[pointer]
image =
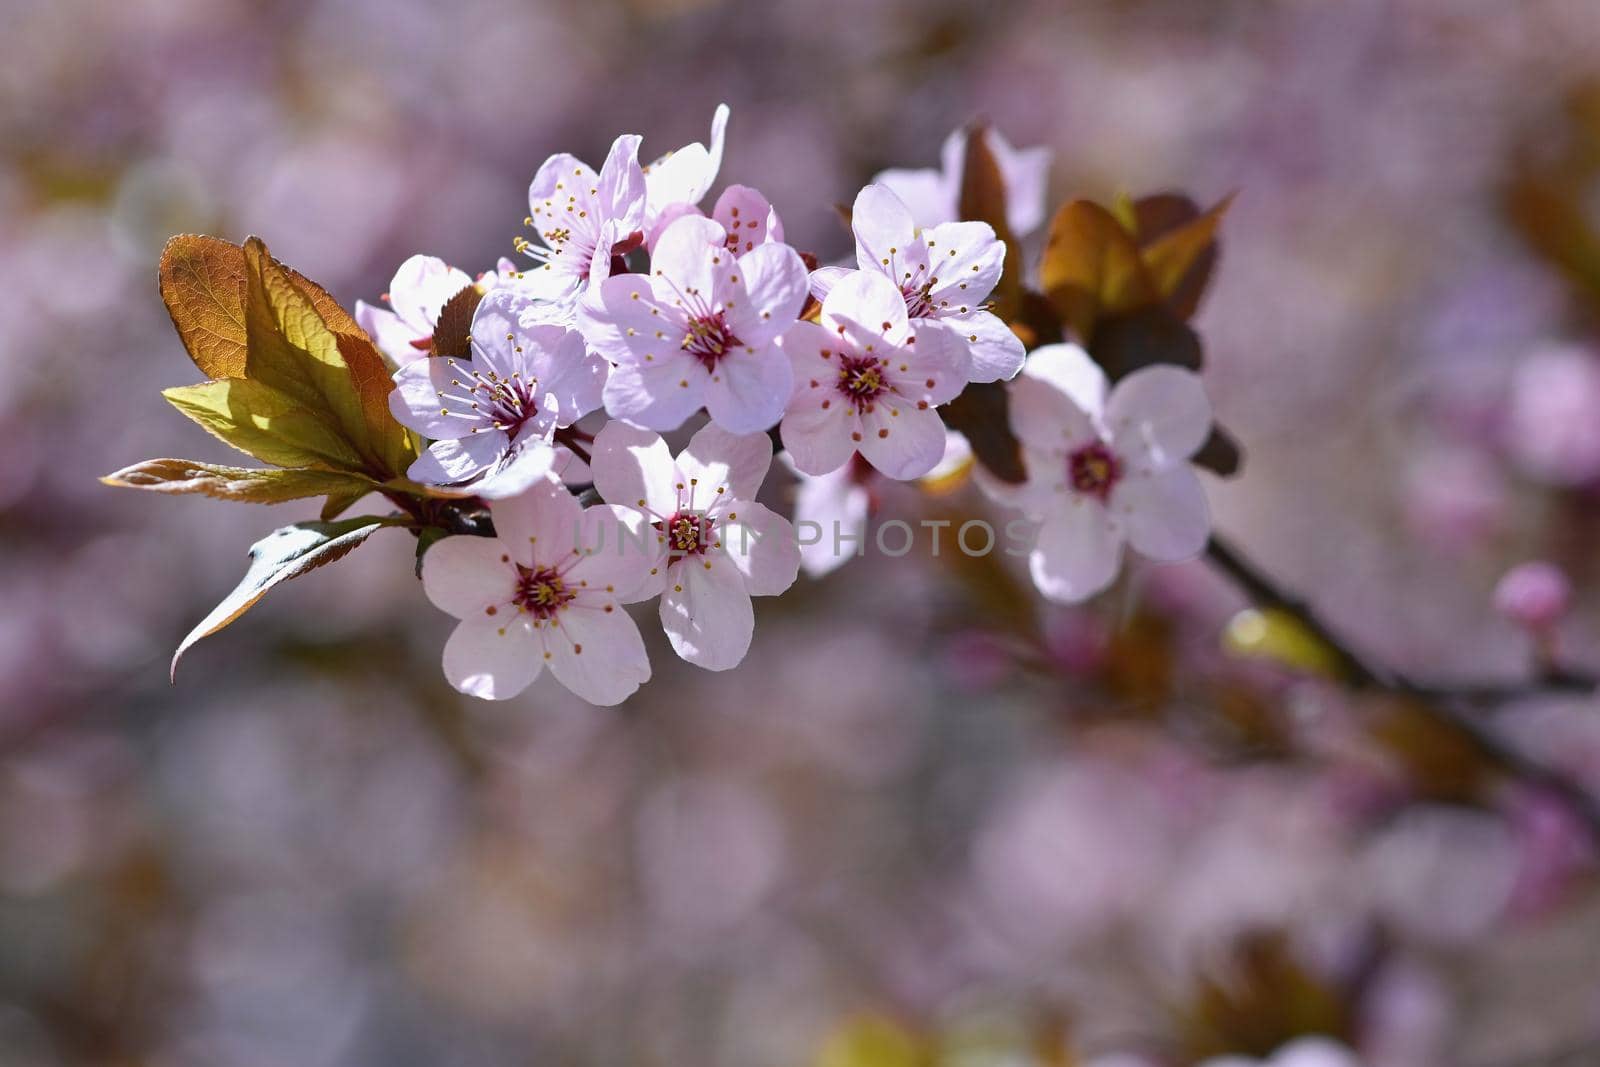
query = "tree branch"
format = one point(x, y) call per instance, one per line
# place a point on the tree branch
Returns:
point(1447, 704)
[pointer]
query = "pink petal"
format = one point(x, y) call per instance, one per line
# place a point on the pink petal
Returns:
point(771, 290)
point(901, 441)
point(492, 659)
point(883, 227)
point(634, 467)
point(658, 395)
point(1164, 513)
point(763, 546)
point(965, 262)
point(868, 306)
point(749, 389)
point(597, 654)
point(544, 517)
point(1077, 554)
point(706, 612)
point(1159, 412)
point(734, 463)
point(466, 575)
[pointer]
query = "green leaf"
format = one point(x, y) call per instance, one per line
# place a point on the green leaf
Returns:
point(283, 554)
point(262, 422)
point(251, 485)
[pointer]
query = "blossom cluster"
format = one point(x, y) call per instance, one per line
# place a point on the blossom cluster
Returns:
point(637, 303)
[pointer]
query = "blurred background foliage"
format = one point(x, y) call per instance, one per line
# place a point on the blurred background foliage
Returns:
point(929, 821)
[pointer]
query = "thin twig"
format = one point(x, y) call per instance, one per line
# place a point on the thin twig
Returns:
point(1448, 705)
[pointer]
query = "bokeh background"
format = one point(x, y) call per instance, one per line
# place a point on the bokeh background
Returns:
point(929, 821)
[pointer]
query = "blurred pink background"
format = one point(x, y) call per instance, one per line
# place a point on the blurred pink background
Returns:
point(887, 840)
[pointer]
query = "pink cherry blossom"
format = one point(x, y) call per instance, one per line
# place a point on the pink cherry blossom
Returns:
point(683, 177)
point(546, 590)
point(701, 329)
point(583, 219)
point(863, 382)
point(718, 547)
point(1104, 470)
point(934, 195)
point(419, 291)
point(944, 272)
point(748, 218)
point(492, 417)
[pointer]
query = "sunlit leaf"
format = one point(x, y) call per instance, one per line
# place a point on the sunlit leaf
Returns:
point(1091, 267)
point(251, 485)
point(203, 283)
point(339, 376)
point(260, 421)
point(284, 554)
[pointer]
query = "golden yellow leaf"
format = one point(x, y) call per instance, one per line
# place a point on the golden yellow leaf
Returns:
point(203, 284)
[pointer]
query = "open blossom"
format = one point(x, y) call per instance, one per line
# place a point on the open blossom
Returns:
point(746, 216)
point(718, 547)
point(944, 273)
point(934, 195)
point(701, 329)
point(685, 176)
point(1106, 469)
point(492, 417)
point(583, 219)
point(546, 590)
point(419, 291)
point(864, 383)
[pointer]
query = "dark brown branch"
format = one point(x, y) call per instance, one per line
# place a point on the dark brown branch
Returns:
point(1448, 705)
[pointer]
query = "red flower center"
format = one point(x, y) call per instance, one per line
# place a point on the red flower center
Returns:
point(1094, 470)
point(540, 592)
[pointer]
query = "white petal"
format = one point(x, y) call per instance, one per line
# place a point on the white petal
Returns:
point(830, 517)
point(452, 462)
point(658, 395)
point(634, 468)
point(737, 463)
point(1164, 513)
point(1070, 369)
point(996, 353)
point(597, 654)
point(392, 336)
point(421, 288)
point(467, 575)
point(749, 389)
point(528, 462)
point(492, 660)
point(771, 291)
point(929, 197)
point(901, 440)
point(965, 260)
point(1026, 173)
point(684, 257)
point(823, 279)
point(622, 555)
point(1077, 554)
point(866, 308)
point(883, 227)
point(763, 546)
point(623, 320)
point(686, 175)
point(621, 186)
point(416, 402)
point(706, 612)
point(545, 517)
point(817, 437)
point(1160, 412)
